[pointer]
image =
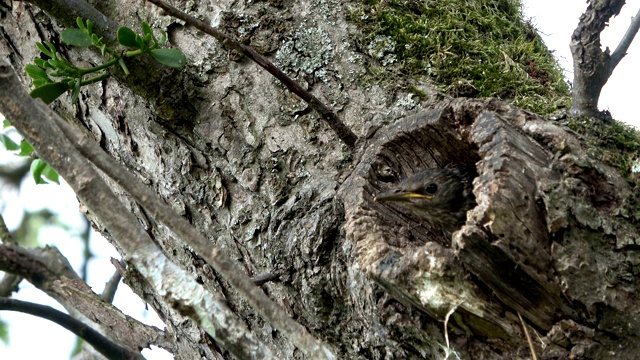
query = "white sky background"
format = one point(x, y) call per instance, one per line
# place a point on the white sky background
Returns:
point(556, 20)
point(33, 338)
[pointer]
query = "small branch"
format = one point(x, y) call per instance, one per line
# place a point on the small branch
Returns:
point(268, 277)
point(50, 272)
point(591, 66)
point(110, 287)
point(529, 341)
point(103, 345)
point(5, 235)
point(625, 42)
point(273, 313)
point(344, 133)
point(10, 282)
point(86, 250)
point(136, 75)
point(41, 267)
point(42, 128)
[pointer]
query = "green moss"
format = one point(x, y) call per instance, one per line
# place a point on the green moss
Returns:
point(470, 48)
point(613, 142)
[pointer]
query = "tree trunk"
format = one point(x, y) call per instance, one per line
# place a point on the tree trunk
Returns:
point(553, 237)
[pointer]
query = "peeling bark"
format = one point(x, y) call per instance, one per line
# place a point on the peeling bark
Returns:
point(528, 246)
point(553, 237)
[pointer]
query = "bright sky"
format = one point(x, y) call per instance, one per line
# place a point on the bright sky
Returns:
point(556, 19)
point(54, 342)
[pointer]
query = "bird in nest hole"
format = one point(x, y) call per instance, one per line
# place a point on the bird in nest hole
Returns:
point(441, 196)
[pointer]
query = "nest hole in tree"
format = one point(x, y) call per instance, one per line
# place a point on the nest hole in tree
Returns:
point(430, 145)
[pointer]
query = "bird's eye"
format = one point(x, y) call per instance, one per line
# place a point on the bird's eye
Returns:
point(432, 188)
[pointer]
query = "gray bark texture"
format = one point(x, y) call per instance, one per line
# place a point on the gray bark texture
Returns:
point(593, 66)
point(554, 236)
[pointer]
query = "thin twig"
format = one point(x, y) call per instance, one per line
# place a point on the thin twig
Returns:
point(9, 282)
point(102, 344)
point(344, 133)
point(110, 287)
point(625, 42)
point(5, 235)
point(274, 276)
point(526, 333)
point(446, 322)
point(86, 250)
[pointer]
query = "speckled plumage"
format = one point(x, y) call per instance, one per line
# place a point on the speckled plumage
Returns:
point(442, 196)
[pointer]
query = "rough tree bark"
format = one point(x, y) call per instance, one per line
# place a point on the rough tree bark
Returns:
point(553, 238)
point(593, 66)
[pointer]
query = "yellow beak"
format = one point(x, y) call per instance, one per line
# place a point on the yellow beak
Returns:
point(396, 195)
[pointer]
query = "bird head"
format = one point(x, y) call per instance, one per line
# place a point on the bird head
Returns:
point(441, 196)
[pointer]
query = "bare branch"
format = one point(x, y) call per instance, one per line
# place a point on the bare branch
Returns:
point(9, 282)
point(36, 122)
point(273, 313)
point(110, 287)
point(41, 267)
point(591, 66)
point(344, 133)
point(5, 235)
point(102, 344)
point(625, 42)
point(50, 272)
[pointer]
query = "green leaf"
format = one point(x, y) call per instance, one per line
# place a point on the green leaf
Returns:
point(5, 124)
point(37, 167)
point(52, 49)
point(40, 171)
point(140, 42)
point(36, 72)
point(127, 37)
point(40, 82)
point(25, 148)
point(147, 39)
point(8, 143)
point(41, 63)
point(76, 91)
point(51, 174)
point(146, 29)
point(163, 39)
point(103, 49)
point(44, 49)
point(89, 26)
point(123, 66)
point(66, 64)
point(170, 57)
point(50, 92)
point(76, 37)
point(97, 42)
point(4, 332)
point(80, 23)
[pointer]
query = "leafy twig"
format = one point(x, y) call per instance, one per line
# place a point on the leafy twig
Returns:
point(73, 77)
